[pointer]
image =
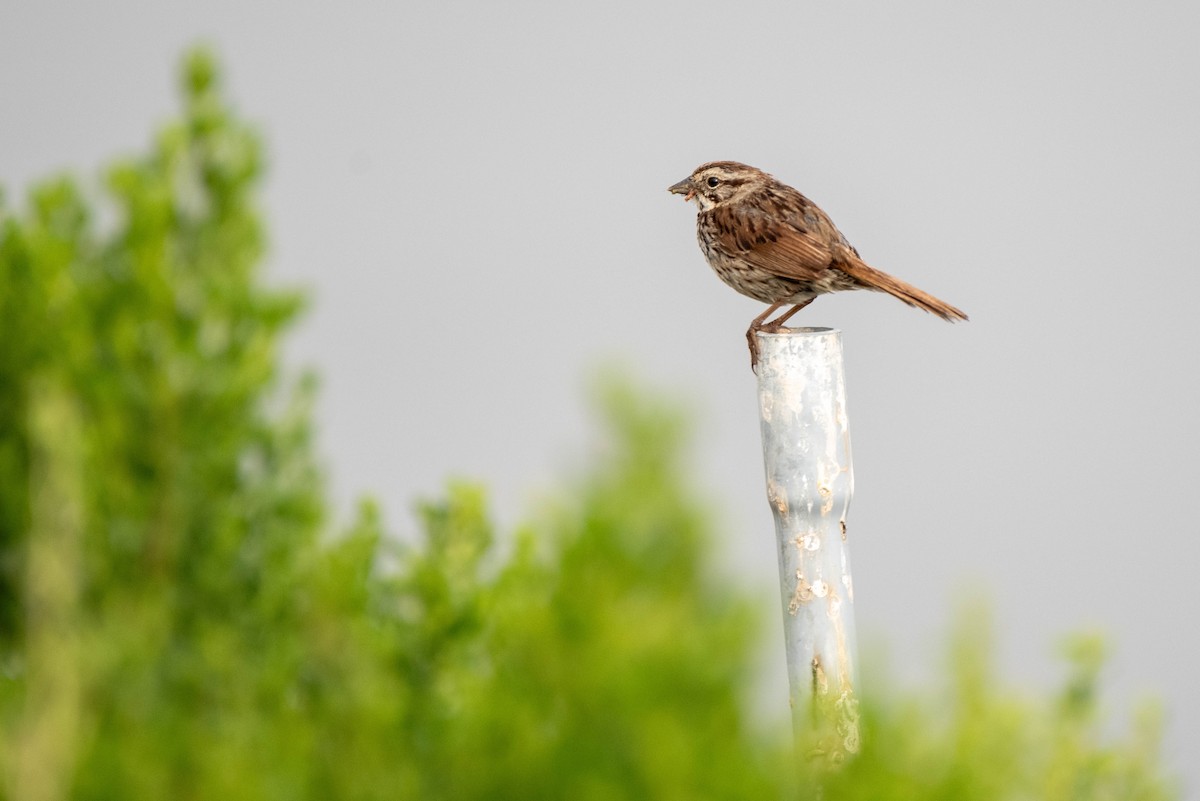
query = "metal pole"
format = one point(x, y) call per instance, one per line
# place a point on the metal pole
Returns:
point(806, 452)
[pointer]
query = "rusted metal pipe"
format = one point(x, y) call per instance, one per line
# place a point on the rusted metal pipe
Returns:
point(806, 452)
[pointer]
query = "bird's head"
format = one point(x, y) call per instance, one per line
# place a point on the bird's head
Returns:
point(720, 182)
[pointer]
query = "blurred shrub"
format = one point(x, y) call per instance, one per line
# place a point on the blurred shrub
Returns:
point(174, 626)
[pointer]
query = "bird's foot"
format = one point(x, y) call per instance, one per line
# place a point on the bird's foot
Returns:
point(752, 341)
point(773, 327)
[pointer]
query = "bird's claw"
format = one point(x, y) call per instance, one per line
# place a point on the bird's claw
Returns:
point(752, 341)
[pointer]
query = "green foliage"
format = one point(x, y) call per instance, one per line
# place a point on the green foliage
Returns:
point(174, 624)
point(600, 660)
point(977, 740)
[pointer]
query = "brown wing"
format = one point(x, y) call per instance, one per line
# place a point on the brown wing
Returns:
point(784, 234)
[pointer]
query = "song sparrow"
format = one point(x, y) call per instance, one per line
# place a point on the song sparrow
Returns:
point(771, 243)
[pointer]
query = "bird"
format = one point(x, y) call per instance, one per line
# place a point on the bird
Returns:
point(771, 243)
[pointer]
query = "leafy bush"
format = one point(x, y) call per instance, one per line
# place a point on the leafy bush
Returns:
point(174, 624)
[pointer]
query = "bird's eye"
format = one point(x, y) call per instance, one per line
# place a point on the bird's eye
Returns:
point(714, 181)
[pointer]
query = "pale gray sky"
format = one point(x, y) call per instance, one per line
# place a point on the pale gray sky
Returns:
point(476, 194)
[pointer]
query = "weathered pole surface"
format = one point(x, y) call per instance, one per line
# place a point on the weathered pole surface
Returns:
point(806, 452)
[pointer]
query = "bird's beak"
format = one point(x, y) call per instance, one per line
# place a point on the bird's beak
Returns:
point(684, 188)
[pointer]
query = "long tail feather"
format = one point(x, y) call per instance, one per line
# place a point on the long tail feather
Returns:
point(871, 278)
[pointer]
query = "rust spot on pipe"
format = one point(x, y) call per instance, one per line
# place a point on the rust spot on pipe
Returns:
point(802, 595)
point(777, 498)
point(847, 726)
point(820, 683)
point(810, 541)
